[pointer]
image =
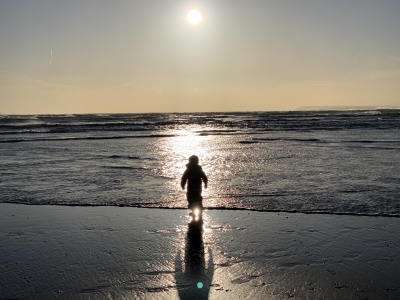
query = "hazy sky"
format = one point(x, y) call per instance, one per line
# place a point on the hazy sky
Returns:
point(143, 56)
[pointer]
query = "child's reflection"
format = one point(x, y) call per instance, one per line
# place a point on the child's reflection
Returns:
point(194, 281)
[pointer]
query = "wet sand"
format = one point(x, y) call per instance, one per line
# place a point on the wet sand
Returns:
point(133, 253)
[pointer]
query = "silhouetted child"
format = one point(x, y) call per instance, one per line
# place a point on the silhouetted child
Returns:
point(194, 175)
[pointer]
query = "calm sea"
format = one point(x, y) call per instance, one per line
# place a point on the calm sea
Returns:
point(320, 162)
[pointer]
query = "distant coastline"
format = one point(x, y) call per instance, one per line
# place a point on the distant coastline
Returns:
point(344, 108)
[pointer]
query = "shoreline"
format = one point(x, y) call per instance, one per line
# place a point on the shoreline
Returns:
point(220, 208)
point(81, 252)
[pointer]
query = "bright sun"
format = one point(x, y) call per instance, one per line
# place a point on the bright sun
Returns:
point(194, 16)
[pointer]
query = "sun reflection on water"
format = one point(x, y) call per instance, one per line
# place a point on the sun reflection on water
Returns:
point(178, 149)
point(215, 152)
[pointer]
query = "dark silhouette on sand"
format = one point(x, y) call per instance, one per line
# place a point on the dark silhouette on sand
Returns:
point(195, 271)
point(194, 175)
point(194, 280)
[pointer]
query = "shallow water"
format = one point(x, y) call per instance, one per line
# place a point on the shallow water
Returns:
point(330, 162)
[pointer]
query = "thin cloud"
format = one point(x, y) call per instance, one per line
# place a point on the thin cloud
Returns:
point(358, 55)
point(121, 85)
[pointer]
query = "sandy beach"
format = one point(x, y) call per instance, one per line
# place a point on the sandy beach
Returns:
point(65, 252)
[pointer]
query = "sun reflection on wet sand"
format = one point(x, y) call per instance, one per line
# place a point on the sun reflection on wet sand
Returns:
point(194, 269)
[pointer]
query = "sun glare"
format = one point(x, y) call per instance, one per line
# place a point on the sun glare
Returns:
point(194, 16)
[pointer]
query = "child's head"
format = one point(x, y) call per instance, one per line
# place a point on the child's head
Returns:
point(193, 160)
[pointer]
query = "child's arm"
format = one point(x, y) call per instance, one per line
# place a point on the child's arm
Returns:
point(205, 179)
point(183, 180)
